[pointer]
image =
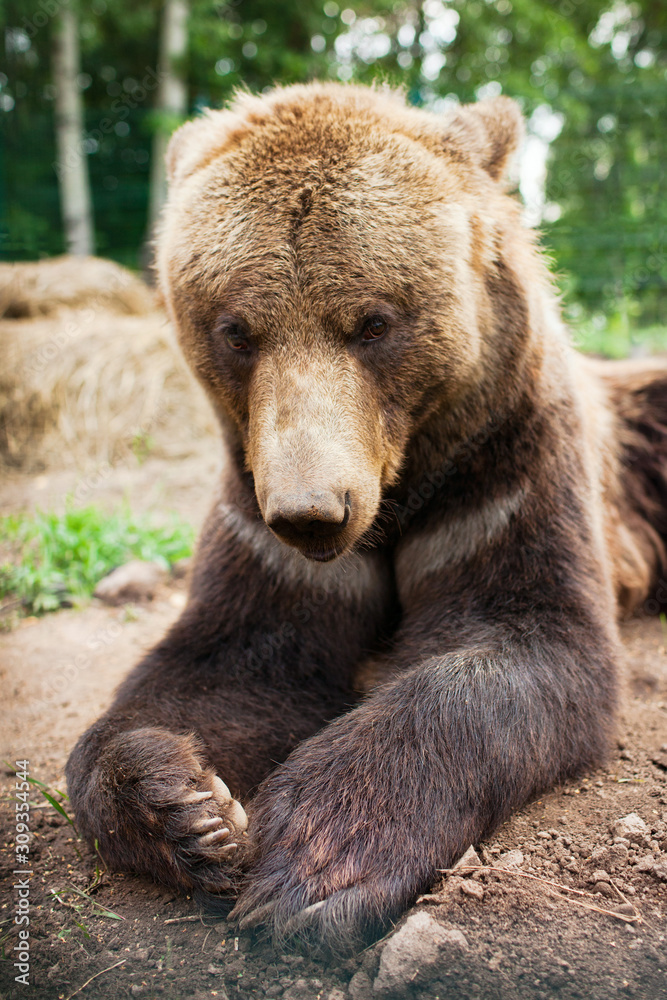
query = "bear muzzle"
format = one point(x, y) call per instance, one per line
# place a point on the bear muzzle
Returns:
point(313, 521)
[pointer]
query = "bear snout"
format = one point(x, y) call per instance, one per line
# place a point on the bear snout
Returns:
point(310, 520)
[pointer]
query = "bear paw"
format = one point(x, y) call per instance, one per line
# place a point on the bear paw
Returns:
point(205, 822)
point(200, 828)
point(323, 879)
point(337, 924)
point(156, 807)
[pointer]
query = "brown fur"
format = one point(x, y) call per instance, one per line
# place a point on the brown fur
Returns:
point(458, 503)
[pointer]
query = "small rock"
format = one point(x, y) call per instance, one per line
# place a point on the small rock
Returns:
point(141, 954)
point(632, 827)
point(599, 876)
point(496, 961)
point(605, 890)
point(360, 986)
point(609, 859)
point(511, 859)
point(369, 962)
point(336, 995)
point(300, 990)
point(625, 755)
point(181, 568)
point(451, 886)
point(417, 948)
point(136, 989)
point(654, 867)
point(135, 581)
point(474, 889)
point(470, 859)
point(651, 952)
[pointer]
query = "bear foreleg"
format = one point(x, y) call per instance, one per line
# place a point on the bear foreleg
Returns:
point(247, 673)
point(360, 818)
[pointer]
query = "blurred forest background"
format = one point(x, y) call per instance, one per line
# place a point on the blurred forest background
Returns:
point(89, 93)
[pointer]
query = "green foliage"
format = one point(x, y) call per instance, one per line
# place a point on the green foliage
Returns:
point(79, 900)
point(59, 558)
point(254, 43)
point(617, 336)
point(601, 65)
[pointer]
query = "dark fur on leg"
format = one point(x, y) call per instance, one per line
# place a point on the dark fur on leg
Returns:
point(638, 392)
point(438, 756)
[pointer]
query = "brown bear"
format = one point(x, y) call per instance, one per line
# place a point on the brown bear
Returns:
point(402, 617)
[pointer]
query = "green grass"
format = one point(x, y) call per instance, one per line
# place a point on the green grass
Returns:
point(615, 336)
point(619, 342)
point(55, 559)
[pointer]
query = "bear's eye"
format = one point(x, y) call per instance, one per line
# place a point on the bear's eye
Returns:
point(374, 327)
point(237, 338)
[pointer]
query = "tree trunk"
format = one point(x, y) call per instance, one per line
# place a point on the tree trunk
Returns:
point(171, 100)
point(71, 165)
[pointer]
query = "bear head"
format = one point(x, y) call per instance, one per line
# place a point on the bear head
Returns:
point(325, 256)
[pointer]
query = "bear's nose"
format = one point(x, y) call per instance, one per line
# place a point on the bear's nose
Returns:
point(311, 514)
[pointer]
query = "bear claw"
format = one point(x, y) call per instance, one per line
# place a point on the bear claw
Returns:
point(206, 824)
point(256, 917)
point(209, 824)
point(195, 797)
point(214, 837)
point(300, 920)
point(221, 790)
point(236, 815)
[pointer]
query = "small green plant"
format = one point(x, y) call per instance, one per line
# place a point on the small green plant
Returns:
point(142, 445)
point(79, 900)
point(663, 625)
point(49, 794)
point(55, 559)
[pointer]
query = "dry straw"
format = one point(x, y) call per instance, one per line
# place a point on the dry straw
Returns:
point(90, 368)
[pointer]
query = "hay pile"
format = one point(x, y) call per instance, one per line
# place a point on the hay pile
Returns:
point(46, 287)
point(91, 373)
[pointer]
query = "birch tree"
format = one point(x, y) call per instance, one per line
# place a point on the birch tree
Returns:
point(71, 164)
point(171, 98)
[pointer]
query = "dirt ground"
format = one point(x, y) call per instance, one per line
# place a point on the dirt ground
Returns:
point(522, 938)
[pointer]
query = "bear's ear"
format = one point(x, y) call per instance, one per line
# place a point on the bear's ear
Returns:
point(195, 142)
point(486, 133)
